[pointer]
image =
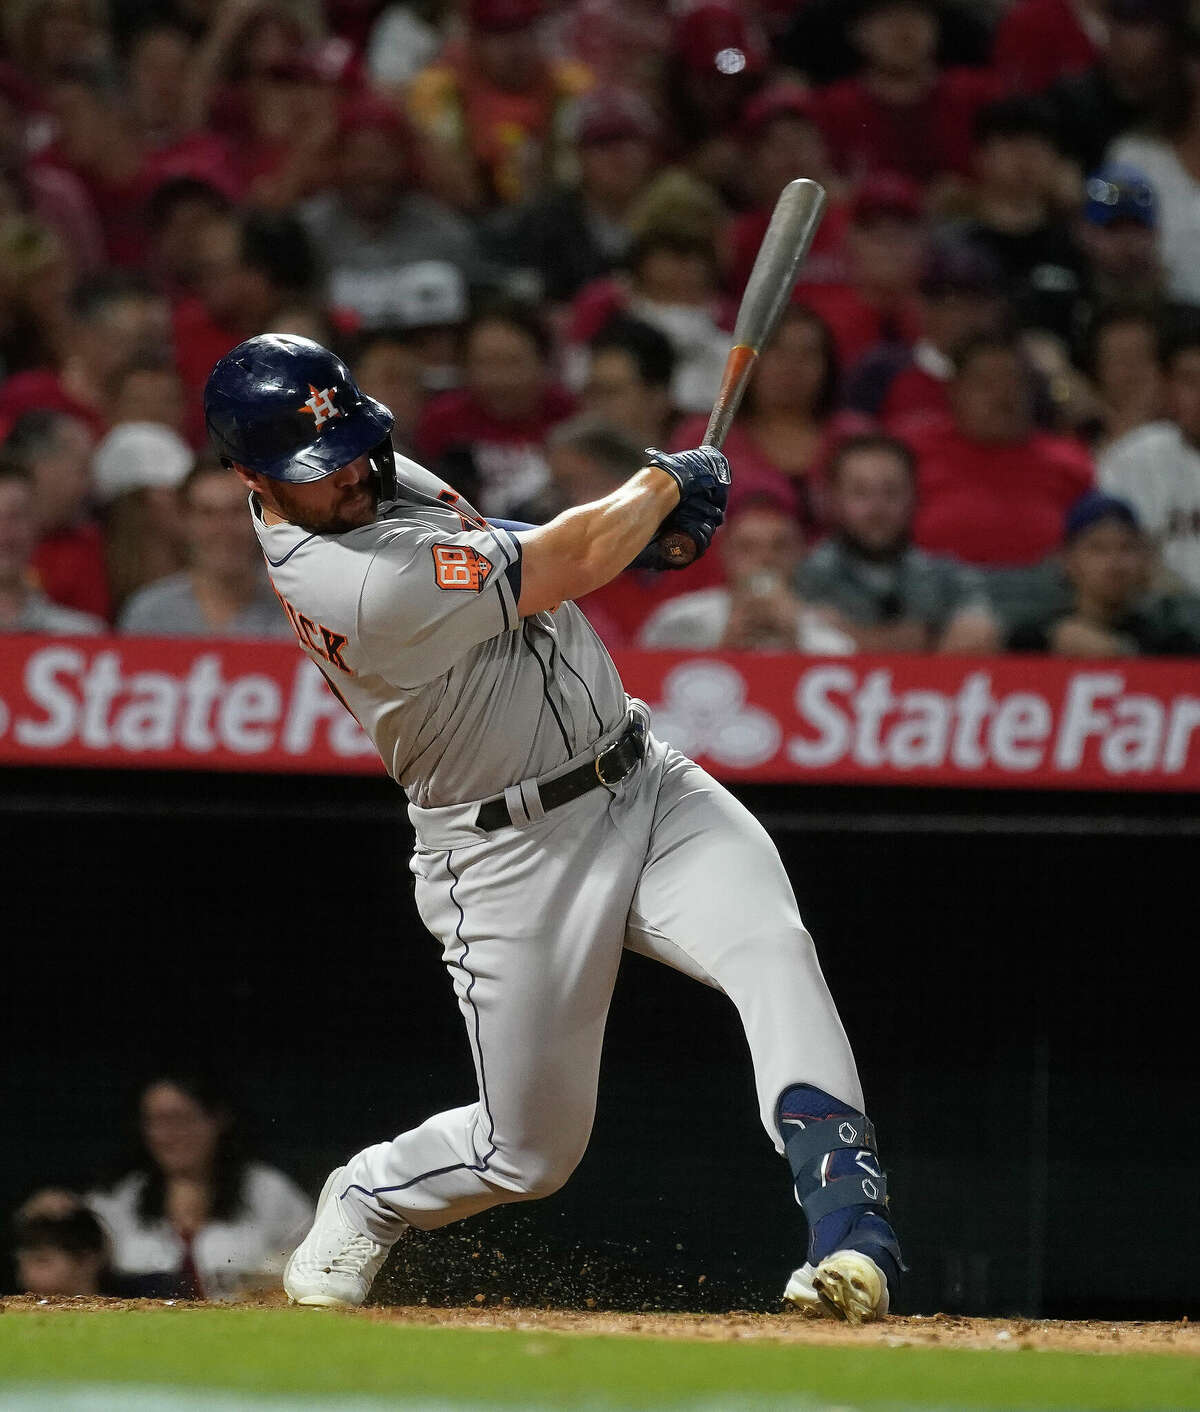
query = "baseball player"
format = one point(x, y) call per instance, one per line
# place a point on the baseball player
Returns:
point(552, 828)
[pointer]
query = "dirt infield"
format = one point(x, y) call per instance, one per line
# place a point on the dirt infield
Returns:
point(933, 1330)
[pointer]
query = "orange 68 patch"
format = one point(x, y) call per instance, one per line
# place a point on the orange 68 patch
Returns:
point(460, 566)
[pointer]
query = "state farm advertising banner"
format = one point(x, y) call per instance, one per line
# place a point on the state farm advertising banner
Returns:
point(1016, 722)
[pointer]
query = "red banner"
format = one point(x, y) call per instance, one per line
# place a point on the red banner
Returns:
point(1017, 722)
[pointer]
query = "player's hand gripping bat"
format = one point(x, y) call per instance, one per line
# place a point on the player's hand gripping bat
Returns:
point(789, 235)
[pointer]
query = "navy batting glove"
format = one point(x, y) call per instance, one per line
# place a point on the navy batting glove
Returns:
point(703, 469)
point(698, 517)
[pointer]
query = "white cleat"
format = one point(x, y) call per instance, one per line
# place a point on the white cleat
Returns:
point(845, 1285)
point(334, 1266)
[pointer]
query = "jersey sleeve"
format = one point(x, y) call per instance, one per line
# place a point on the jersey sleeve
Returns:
point(429, 597)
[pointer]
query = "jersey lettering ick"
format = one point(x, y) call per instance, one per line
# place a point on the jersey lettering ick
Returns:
point(413, 619)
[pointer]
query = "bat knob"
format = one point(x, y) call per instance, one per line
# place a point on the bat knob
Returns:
point(679, 548)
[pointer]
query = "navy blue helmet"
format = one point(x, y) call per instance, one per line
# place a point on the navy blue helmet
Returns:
point(289, 409)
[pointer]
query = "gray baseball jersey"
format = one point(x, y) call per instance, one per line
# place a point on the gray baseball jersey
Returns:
point(414, 621)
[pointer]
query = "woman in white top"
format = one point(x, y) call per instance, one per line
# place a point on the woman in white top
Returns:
point(196, 1218)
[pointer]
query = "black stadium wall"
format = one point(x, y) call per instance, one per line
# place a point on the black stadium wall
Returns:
point(1010, 968)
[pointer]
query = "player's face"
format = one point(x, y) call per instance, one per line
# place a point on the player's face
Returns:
point(345, 500)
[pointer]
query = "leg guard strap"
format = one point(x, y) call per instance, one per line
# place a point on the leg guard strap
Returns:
point(816, 1138)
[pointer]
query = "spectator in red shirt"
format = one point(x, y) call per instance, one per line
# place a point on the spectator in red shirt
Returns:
point(497, 423)
point(1040, 41)
point(116, 321)
point(961, 298)
point(787, 424)
point(54, 449)
point(992, 490)
point(780, 137)
point(901, 113)
point(885, 247)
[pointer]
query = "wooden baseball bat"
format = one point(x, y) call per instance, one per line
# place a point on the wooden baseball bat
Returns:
point(785, 245)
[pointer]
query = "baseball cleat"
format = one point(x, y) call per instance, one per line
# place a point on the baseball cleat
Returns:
point(334, 1266)
point(845, 1285)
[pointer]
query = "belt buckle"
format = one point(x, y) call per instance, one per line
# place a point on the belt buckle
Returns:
point(598, 763)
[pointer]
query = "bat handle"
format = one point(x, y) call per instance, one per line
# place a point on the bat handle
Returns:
point(681, 548)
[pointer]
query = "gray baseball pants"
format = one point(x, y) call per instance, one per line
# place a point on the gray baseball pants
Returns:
point(533, 920)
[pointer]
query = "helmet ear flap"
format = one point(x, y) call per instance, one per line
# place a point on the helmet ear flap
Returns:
point(382, 460)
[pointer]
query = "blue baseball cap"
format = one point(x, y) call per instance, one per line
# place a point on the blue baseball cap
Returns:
point(1095, 507)
point(1117, 192)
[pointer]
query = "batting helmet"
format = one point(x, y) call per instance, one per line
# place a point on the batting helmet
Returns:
point(287, 408)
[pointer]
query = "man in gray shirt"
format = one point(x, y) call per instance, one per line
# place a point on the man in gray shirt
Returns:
point(372, 224)
point(225, 592)
point(884, 593)
point(22, 607)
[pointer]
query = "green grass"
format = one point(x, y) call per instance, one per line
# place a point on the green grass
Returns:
point(322, 1356)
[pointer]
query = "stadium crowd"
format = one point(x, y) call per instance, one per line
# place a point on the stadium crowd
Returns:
point(526, 227)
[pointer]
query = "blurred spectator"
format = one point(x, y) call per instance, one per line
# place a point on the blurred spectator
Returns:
point(224, 591)
point(196, 1213)
point(1118, 233)
point(501, 416)
point(373, 222)
point(1107, 564)
point(22, 607)
point(1157, 467)
point(249, 269)
point(35, 293)
point(991, 490)
point(577, 233)
point(900, 113)
point(1017, 215)
point(262, 80)
point(781, 140)
point(1137, 79)
point(1125, 365)
point(403, 40)
point(54, 198)
point(758, 609)
point(1040, 41)
point(718, 58)
point(116, 321)
point(496, 107)
point(47, 38)
point(886, 594)
point(1168, 163)
point(816, 36)
point(787, 419)
point(149, 390)
point(673, 286)
point(388, 367)
point(176, 214)
point(156, 73)
point(629, 380)
point(65, 1253)
point(885, 249)
point(962, 297)
point(624, 43)
point(68, 563)
point(589, 459)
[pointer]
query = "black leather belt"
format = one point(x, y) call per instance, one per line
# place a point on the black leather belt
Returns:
point(608, 768)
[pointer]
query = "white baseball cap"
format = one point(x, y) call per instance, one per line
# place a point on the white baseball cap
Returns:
point(138, 455)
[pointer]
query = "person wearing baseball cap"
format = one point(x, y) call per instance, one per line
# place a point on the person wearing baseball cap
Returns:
point(580, 231)
point(901, 112)
point(1110, 610)
point(496, 107)
point(1118, 231)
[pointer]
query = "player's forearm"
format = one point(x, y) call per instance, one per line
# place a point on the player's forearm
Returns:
point(584, 548)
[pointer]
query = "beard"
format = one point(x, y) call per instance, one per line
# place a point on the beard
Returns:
point(355, 507)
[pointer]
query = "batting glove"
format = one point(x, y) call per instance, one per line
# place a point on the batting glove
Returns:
point(698, 517)
point(703, 469)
